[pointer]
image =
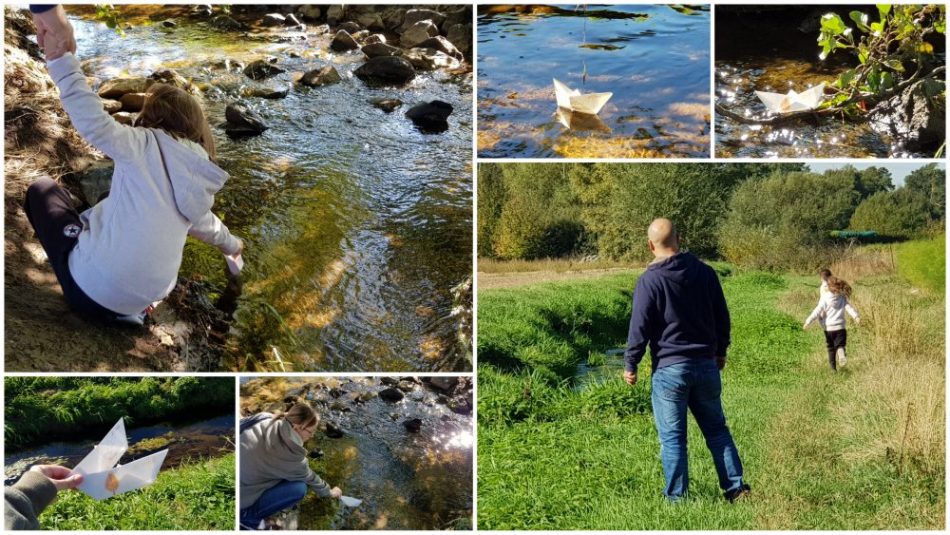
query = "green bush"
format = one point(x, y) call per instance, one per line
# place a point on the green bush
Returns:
point(923, 263)
point(901, 213)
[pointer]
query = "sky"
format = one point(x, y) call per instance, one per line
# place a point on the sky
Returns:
point(898, 170)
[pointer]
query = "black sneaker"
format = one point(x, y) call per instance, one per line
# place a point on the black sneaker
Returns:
point(740, 494)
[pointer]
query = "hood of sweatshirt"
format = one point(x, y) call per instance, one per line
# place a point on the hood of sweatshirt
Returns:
point(194, 178)
point(282, 442)
point(680, 269)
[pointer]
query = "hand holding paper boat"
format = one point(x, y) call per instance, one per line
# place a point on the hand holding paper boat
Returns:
point(104, 478)
point(778, 103)
point(573, 100)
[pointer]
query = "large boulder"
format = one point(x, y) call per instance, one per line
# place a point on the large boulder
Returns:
point(309, 12)
point(912, 117)
point(242, 122)
point(343, 41)
point(374, 50)
point(442, 45)
point(261, 69)
point(460, 35)
point(417, 33)
point(386, 70)
point(335, 14)
point(319, 77)
point(416, 15)
point(117, 87)
point(133, 101)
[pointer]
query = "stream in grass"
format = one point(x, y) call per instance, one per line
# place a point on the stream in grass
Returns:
point(185, 441)
point(357, 226)
point(653, 58)
point(408, 477)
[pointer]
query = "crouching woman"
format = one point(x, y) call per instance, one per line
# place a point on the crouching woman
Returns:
point(275, 474)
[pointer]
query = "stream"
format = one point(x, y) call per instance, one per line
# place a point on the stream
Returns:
point(185, 441)
point(356, 225)
point(653, 58)
point(407, 480)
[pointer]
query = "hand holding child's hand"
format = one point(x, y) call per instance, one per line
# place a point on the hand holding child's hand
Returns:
point(336, 492)
point(54, 33)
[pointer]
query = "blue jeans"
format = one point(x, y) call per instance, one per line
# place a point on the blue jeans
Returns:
point(696, 385)
point(283, 495)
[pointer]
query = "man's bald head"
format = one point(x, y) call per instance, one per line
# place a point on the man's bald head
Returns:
point(663, 238)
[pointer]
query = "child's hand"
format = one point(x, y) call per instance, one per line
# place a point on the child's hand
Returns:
point(336, 492)
point(804, 326)
point(240, 246)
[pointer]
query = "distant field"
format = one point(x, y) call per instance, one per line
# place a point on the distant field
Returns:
point(861, 449)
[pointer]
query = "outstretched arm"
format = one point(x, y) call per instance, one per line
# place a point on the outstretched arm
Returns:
point(212, 231)
point(853, 312)
point(53, 32)
point(814, 313)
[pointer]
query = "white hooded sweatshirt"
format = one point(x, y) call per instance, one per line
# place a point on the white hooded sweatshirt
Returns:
point(830, 310)
point(130, 248)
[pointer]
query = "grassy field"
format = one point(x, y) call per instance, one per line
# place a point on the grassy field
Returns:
point(860, 449)
point(198, 496)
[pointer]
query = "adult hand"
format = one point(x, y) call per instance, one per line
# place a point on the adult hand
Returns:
point(630, 378)
point(720, 362)
point(336, 492)
point(54, 33)
point(58, 475)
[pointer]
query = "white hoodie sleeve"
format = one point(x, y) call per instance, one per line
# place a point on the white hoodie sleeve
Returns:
point(84, 107)
point(815, 314)
point(853, 312)
point(212, 231)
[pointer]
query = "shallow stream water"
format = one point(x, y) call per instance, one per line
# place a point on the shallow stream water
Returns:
point(357, 226)
point(653, 58)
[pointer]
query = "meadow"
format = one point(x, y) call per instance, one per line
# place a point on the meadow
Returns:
point(863, 448)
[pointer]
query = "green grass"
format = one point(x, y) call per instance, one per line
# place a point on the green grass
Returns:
point(197, 496)
point(923, 263)
point(552, 457)
point(41, 409)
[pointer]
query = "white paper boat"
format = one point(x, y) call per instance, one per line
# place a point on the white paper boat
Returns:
point(103, 478)
point(791, 102)
point(235, 263)
point(573, 100)
point(350, 501)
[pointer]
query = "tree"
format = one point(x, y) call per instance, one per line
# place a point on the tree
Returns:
point(491, 200)
point(902, 212)
point(930, 182)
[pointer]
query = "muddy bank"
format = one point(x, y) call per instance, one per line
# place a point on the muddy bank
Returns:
point(402, 445)
point(356, 244)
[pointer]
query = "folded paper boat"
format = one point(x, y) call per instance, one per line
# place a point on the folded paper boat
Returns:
point(350, 501)
point(104, 478)
point(572, 99)
point(779, 103)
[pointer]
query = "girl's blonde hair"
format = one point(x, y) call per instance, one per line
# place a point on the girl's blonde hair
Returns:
point(838, 286)
point(299, 414)
point(179, 114)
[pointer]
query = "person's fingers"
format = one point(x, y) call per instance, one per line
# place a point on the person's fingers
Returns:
point(52, 471)
point(70, 482)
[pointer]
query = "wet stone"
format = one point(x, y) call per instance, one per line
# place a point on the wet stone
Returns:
point(391, 395)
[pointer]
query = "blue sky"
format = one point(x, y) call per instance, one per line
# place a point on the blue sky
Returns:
point(898, 170)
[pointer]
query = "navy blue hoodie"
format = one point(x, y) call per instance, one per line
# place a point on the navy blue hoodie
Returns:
point(680, 311)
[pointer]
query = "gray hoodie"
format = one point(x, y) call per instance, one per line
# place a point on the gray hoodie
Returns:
point(271, 452)
point(130, 248)
point(26, 499)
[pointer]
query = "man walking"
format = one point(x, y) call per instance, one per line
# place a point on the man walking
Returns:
point(680, 311)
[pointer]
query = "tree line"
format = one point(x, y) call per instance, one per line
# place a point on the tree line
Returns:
point(769, 216)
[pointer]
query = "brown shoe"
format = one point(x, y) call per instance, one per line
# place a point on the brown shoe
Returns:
point(742, 494)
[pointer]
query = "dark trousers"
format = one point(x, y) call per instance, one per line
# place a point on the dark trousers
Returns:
point(835, 340)
point(56, 222)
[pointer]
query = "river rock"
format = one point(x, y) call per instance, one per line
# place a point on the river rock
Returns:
point(316, 453)
point(372, 21)
point(461, 406)
point(413, 425)
point(417, 15)
point(110, 105)
point(335, 14)
point(386, 70)
point(442, 45)
point(336, 392)
point(291, 20)
point(375, 50)
point(445, 384)
point(391, 381)
point(460, 35)
point(319, 77)
point(332, 431)
point(268, 91)
point(273, 19)
point(242, 122)
point(391, 395)
point(393, 17)
point(260, 69)
point(374, 39)
point(133, 101)
point(96, 181)
point(124, 117)
point(428, 59)
point(168, 23)
point(406, 386)
point(224, 22)
point(349, 27)
point(343, 41)
point(339, 406)
point(460, 15)
point(202, 11)
point(911, 117)
point(171, 77)
point(309, 12)
point(117, 87)
point(417, 33)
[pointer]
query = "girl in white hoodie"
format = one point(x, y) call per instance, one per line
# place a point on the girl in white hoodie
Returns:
point(114, 260)
point(830, 313)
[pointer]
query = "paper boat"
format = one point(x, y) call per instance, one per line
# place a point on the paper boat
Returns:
point(104, 478)
point(235, 263)
point(581, 122)
point(791, 102)
point(350, 502)
point(573, 100)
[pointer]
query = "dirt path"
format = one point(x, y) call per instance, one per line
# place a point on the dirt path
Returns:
point(489, 281)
